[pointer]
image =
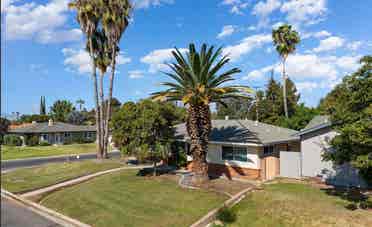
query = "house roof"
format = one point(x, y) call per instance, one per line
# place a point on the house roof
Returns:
point(318, 122)
point(43, 127)
point(243, 131)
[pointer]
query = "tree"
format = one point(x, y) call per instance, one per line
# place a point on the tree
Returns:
point(61, 109)
point(34, 117)
point(4, 124)
point(76, 118)
point(351, 114)
point(88, 16)
point(273, 102)
point(42, 106)
point(301, 117)
point(237, 108)
point(197, 83)
point(146, 128)
point(115, 19)
point(285, 40)
point(81, 103)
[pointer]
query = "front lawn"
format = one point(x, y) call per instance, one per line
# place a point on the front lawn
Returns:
point(296, 204)
point(26, 179)
point(124, 199)
point(14, 152)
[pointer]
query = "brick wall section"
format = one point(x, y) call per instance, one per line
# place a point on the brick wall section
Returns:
point(233, 172)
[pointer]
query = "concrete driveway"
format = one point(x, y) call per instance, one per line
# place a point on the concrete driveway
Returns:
point(14, 214)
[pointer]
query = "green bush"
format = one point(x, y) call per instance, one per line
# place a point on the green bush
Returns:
point(12, 140)
point(44, 143)
point(351, 206)
point(226, 215)
point(32, 140)
point(365, 204)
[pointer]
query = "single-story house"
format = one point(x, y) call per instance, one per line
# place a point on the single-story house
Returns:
point(245, 148)
point(253, 150)
point(315, 138)
point(54, 132)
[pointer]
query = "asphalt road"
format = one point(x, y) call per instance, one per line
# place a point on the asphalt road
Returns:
point(20, 163)
point(14, 214)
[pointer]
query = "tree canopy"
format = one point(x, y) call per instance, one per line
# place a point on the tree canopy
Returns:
point(61, 109)
point(350, 106)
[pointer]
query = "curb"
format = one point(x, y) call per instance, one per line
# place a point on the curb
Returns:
point(75, 181)
point(210, 216)
point(44, 212)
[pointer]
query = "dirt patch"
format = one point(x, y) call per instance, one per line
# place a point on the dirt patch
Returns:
point(225, 186)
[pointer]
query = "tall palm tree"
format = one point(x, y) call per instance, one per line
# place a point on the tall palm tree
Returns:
point(285, 40)
point(197, 83)
point(80, 102)
point(88, 16)
point(115, 20)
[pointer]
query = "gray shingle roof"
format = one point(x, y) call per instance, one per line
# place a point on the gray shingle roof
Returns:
point(243, 131)
point(318, 122)
point(56, 127)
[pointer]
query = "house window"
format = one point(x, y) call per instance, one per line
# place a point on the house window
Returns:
point(268, 150)
point(234, 153)
point(67, 134)
point(88, 135)
point(44, 137)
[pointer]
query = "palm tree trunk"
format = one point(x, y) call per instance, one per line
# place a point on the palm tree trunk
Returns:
point(101, 110)
point(199, 127)
point(285, 90)
point(98, 120)
point(108, 113)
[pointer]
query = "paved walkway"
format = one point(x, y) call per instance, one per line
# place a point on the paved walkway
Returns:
point(14, 214)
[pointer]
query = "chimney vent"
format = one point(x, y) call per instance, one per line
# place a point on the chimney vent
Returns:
point(227, 117)
point(50, 123)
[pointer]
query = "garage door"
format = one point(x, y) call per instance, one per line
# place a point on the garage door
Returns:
point(290, 164)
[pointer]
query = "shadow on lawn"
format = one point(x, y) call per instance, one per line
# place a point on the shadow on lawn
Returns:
point(160, 170)
point(355, 196)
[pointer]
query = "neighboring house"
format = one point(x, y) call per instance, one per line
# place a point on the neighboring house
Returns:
point(315, 138)
point(54, 132)
point(245, 148)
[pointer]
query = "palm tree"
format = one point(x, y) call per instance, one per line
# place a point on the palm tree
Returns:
point(88, 15)
point(197, 83)
point(285, 40)
point(80, 102)
point(115, 19)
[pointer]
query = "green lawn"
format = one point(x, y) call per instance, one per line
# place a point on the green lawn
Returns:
point(13, 152)
point(294, 204)
point(124, 199)
point(37, 177)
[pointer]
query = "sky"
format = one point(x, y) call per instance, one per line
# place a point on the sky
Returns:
point(43, 47)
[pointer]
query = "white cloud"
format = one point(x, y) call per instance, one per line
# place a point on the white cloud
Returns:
point(144, 4)
point(277, 24)
point(306, 86)
point(329, 43)
point(156, 59)
point(354, 45)
point(236, 6)
point(136, 74)
point(39, 68)
point(226, 31)
point(41, 22)
point(327, 70)
point(319, 34)
point(246, 45)
point(305, 11)
point(264, 9)
point(79, 60)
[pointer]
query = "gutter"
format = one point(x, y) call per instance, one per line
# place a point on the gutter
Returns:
point(305, 131)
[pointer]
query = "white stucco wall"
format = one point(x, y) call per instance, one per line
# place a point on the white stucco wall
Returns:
point(312, 149)
point(214, 155)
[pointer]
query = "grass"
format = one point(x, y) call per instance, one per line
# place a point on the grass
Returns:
point(124, 199)
point(14, 152)
point(26, 179)
point(296, 204)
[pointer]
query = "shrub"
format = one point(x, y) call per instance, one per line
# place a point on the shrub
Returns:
point(32, 140)
point(226, 215)
point(351, 206)
point(44, 143)
point(365, 204)
point(12, 140)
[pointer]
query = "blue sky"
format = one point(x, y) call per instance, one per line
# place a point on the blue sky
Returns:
point(42, 45)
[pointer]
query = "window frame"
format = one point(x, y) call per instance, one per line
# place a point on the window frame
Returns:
point(238, 153)
point(269, 151)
